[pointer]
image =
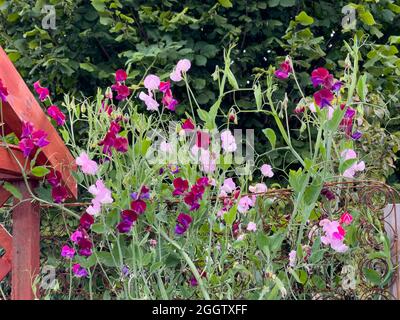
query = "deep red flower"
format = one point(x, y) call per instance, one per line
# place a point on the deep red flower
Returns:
point(122, 91)
point(111, 140)
point(129, 215)
point(85, 247)
point(86, 221)
point(191, 200)
point(138, 206)
point(124, 226)
point(180, 186)
point(55, 113)
point(59, 194)
point(203, 181)
point(121, 144)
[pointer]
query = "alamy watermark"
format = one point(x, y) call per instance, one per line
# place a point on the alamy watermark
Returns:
point(49, 20)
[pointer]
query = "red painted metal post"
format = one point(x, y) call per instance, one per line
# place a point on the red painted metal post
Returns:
point(26, 246)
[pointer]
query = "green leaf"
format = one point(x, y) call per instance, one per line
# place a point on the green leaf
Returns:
point(258, 96)
point(271, 136)
point(13, 190)
point(304, 19)
point(230, 216)
point(362, 89)
point(40, 171)
point(226, 3)
point(333, 124)
point(367, 17)
point(87, 66)
point(231, 79)
point(98, 228)
point(372, 276)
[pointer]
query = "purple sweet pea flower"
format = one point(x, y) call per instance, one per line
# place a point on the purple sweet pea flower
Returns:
point(79, 271)
point(183, 223)
point(356, 135)
point(67, 252)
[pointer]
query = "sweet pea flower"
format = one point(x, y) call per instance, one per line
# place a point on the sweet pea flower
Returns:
point(188, 125)
point(334, 235)
point(59, 194)
point(258, 188)
point(151, 82)
point(183, 223)
point(321, 76)
point(346, 218)
point(102, 196)
point(228, 186)
point(169, 101)
point(244, 204)
point(182, 67)
point(76, 236)
point(41, 91)
point(284, 70)
point(120, 75)
point(166, 147)
point(349, 154)
point(252, 227)
point(208, 161)
point(228, 141)
point(3, 92)
point(123, 91)
point(67, 252)
point(266, 171)
point(79, 271)
point(149, 101)
point(87, 165)
point(55, 113)
point(292, 258)
point(31, 139)
point(323, 98)
point(356, 135)
point(86, 221)
point(180, 186)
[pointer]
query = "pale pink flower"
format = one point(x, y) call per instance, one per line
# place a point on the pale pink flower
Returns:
point(229, 186)
point(240, 237)
point(244, 204)
point(258, 188)
point(87, 165)
point(228, 141)
point(252, 227)
point(166, 147)
point(266, 171)
point(312, 107)
point(151, 82)
point(208, 161)
point(292, 258)
point(349, 154)
point(182, 66)
point(102, 196)
point(150, 102)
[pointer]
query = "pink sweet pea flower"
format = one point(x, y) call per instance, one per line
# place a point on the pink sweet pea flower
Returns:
point(101, 193)
point(169, 101)
point(228, 141)
point(208, 161)
point(188, 125)
point(292, 258)
point(55, 113)
point(284, 70)
point(41, 91)
point(244, 204)
point(87, 165)
point(346, 218)
point(258, 188)
point(123, 91)
point(79, 271)
point(182, 67)
point(334, 235)
point(166, 147)
point(120, 75)
point(150, 102)
point(67, 252)
point(229, 186)
point(31, 139)
point(151, 82)
point(76, 236)
point(356, 167)
point(252, 227)
point(266, 171)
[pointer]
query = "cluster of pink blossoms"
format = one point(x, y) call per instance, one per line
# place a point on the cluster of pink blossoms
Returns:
point(334, 232)
point(119, 86)
point(31, 139)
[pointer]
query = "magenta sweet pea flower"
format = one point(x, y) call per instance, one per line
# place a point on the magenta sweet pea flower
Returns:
point(138, 206)
point(41, 91)
point(76, 236)
point(86, 221)
point(67, 252)
point(321, 76)
point(164, 86)
point(180, 186)
point(55, 113)
point(54, 177)
point(112, 140)
point(183, 223)
point(123, 91)
point(188, 125)
point(120, 75)
point(346, 218)
point(203, 139)
point(323, 98)
point(3, 92)
point(128, 218)
point(31, 139)
point(79, 271)
point(169, 101)
point(87, 165)
point(334, 235)
point(284, 70)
